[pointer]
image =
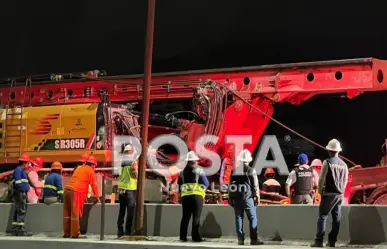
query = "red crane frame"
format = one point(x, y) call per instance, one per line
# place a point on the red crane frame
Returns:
point(294, 83)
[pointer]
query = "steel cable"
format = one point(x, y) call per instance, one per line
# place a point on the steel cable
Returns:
point(255, 108)
point(281, 124)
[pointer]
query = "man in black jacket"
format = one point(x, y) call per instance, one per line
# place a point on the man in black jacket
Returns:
point(331, 186)
point(244, 197)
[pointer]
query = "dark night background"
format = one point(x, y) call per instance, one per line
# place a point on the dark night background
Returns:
point(67, 36)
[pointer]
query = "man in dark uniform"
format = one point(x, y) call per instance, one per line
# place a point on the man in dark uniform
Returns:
point(192, 187)
point(21, 187)
point(303, 178)
point(244, 197)
point(332, 182)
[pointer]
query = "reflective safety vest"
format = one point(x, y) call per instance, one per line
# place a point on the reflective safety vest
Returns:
point(127, 180)
point(193, 189)
point(189, 188)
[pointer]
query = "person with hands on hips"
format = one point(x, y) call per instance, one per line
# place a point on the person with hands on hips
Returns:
point(244, 197)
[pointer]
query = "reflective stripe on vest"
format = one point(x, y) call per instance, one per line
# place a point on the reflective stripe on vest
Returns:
point(193, 189)
point(21, 181)
point(54, 188)
point(51, 187)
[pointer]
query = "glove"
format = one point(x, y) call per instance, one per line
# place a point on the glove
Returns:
point(256, 200)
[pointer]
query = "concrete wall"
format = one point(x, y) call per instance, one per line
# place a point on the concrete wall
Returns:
point(360, 224)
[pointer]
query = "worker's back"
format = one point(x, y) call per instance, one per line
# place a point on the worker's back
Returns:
point(271, 186)
point(53, 185)
point(80, 180)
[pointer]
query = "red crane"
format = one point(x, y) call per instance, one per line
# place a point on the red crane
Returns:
point(221, 96)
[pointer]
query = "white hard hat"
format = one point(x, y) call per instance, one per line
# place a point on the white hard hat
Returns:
point(316, 163)
point(128, 147)
point(191, 156)
point(245, 156)
point(334, 145)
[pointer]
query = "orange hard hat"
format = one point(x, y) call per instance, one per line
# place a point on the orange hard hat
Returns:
point(269, 171)
point(84, 158)
point(92, 160)
point(24, 158)
point(316, 163)
point(38, 162)
point(56, 165)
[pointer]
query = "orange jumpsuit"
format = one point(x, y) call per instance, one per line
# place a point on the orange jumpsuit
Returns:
point(75, 195)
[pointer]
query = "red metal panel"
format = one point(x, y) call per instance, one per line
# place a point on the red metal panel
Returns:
point(294, 83)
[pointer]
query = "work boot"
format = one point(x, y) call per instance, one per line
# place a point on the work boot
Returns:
point(66, 236)
point(317, 244)
point(120, 232)
point(183, 239)
point(198, 240)
point(241, 242)
point(79, 237)
point(256, 242)
point(330, 244)
point(24, 234)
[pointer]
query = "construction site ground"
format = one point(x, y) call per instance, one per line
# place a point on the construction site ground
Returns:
point(43, 241)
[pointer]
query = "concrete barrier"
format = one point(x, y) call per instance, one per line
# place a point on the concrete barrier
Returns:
point(49, 243)
point(360, 224)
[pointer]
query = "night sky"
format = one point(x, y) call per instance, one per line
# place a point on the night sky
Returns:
point(39, 37)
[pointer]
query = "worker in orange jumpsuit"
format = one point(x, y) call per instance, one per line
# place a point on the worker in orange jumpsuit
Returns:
point(75, 195)
point(82, 161)
point(271, 185)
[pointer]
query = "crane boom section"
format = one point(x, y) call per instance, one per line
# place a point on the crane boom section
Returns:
point(292, 83)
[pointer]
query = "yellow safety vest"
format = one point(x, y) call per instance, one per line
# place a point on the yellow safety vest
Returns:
point(193, 189)
point(127, 180)
point(190, 188)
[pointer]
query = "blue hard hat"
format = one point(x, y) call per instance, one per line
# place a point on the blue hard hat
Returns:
point(302, 158)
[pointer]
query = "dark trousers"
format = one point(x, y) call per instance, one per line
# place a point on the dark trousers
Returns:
point(127, 201)
point(329, 204)
point(302, 199)
point(192, 206)
point(248, 206)
point(19, 215)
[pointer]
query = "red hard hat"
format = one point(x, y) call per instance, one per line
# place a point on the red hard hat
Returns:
point(92, 160)
point(84, 158)
point(38, 162)
point(24, 158)
point(269, 171)
point(56, 165)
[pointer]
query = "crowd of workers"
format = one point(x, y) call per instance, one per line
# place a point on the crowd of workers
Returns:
point(25, 187)
point(244, 193)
